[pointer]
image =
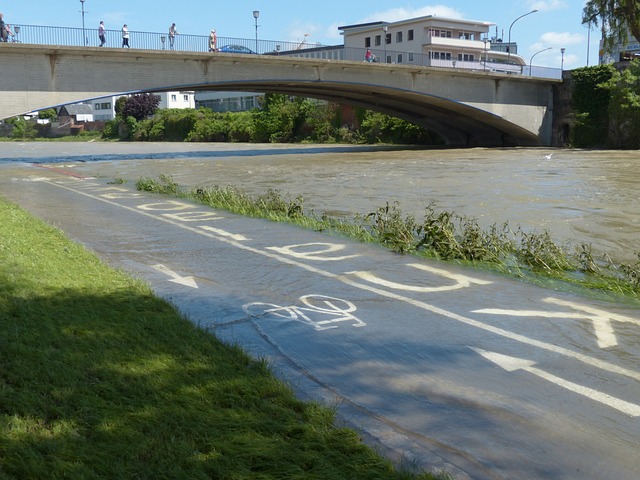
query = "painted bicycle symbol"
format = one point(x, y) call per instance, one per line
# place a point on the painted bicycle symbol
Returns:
point(319, 311)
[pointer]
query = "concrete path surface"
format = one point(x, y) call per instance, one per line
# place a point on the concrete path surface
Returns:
point(444, 367)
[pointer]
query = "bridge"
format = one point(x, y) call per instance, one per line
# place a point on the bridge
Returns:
point(466, 107)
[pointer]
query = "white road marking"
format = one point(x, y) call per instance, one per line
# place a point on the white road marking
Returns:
point(224, 233)
point(462, 281)
point(318, 254)
point(600, 319)
point(176, 278)
point(511, 364)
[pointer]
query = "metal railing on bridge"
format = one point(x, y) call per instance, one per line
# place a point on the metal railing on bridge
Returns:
point(78, 37)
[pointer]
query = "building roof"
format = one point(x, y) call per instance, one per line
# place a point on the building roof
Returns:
point(426, 18)
point(75, 109)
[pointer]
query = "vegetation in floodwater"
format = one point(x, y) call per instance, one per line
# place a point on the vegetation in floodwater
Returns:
point(441, 235)
point(117, 181)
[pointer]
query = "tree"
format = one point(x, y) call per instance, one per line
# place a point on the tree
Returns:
point(624, 107)
point(47, 113)
point(616, 18)
point(141, 106)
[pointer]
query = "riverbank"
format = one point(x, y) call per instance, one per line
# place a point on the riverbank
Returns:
point(99, 378)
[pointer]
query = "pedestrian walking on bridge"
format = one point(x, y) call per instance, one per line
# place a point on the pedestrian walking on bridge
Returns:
point(102, 34)
point(125, 36)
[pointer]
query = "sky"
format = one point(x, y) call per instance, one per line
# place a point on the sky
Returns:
point(556, 24)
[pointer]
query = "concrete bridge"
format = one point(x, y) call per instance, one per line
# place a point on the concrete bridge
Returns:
point(468, 108)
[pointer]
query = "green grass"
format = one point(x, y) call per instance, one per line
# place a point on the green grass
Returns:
point(101, 379)
point(533, 256)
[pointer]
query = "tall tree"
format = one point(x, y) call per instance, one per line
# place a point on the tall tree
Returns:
point(616, 18)
point(141, 106)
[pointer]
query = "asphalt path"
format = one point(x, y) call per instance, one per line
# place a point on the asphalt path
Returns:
point(438, 366)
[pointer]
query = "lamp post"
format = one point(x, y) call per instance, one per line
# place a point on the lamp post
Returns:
point(562, 50)
point(540, 51)
point(384, 40)
point(256, 14)
point(16, 30)
point(486, 40)
point(163, 39)
point(84, 35)
point(509, 43)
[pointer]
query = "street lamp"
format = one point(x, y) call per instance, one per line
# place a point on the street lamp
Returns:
point(385, 28)
point(256, 14)
point(509, 43)
point(486, 40)
point(16, 30)
point(163, 39)
point(562, 50)
point(84, 35)
point(540, 51)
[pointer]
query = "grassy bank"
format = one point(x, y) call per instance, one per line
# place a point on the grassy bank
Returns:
point(442, 235)
point(100, 379)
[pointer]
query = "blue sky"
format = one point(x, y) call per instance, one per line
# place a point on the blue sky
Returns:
point(556, 24)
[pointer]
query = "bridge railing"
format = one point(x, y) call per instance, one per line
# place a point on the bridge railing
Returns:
point(70, 36)
point(78, 37)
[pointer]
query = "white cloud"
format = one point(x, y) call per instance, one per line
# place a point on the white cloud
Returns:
point(558, 40)
point(547, 5)
point(398, 14)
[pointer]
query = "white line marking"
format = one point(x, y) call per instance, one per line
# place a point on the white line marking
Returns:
point(511, 364)
point(224, 233)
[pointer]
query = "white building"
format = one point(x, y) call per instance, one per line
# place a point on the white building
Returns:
point(430, 41)
point(177, 100)
point(105, 108)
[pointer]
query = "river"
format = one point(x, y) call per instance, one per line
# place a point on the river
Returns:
point(578, 196)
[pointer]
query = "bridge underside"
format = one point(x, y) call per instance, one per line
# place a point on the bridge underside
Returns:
point(465, 108)
point(457, 123)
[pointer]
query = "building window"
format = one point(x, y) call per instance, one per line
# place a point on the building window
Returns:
point(399, 58)
point(185, 98)
point(466, 36)
point(96, 106)
point(378, 40)
point(367, 42)
point(398, 37)
point(410, 35)
point(410, 57)
point(440, 33)
point(387, 38)
point(465, 57)
point(441, 55)
point(173, 98)
point(105, 106)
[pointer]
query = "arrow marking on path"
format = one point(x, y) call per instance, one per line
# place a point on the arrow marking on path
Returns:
point(175, 278)
point(511, 364)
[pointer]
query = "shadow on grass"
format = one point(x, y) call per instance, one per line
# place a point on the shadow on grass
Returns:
point(118, 385)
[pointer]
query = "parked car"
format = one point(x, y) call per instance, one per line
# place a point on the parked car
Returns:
point(236, 49)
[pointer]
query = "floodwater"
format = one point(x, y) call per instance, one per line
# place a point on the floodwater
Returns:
point(578, 196)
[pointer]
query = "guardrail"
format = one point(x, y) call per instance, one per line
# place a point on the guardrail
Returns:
point(70, 36)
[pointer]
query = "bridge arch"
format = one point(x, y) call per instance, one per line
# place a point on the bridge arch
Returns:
point(466, 108)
